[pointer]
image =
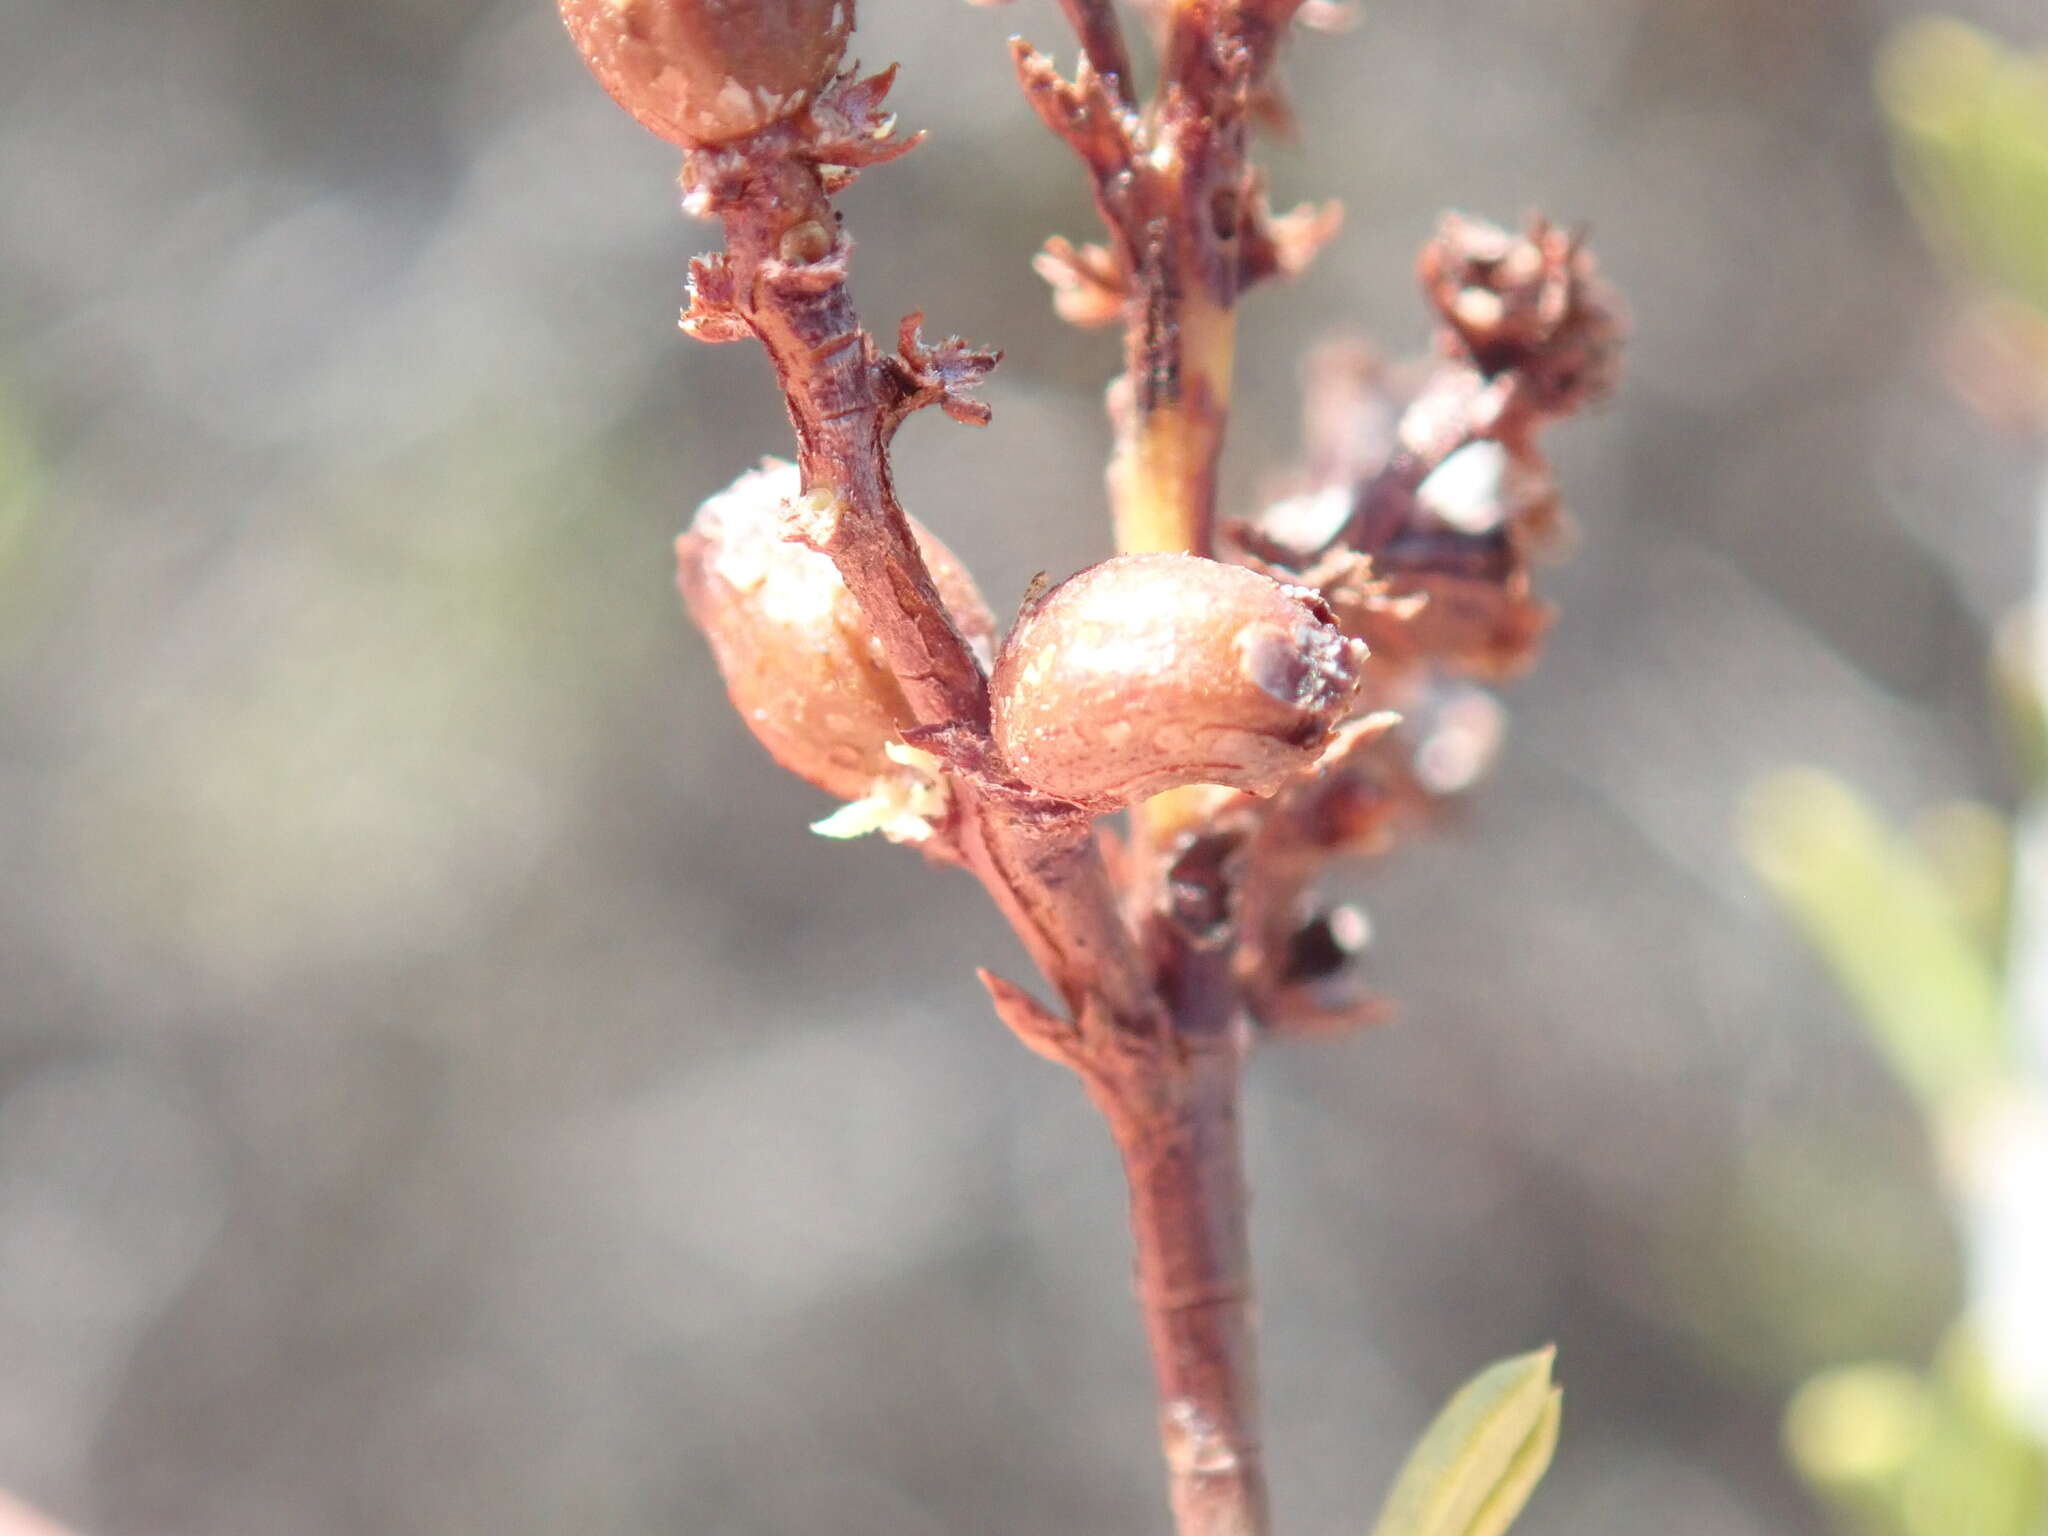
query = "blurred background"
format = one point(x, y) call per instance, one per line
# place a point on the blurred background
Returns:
point(445, 1088)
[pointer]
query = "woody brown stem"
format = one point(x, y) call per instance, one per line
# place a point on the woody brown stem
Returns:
point(1176, 210)
point(790, 281)
point(1184, 1164)
point(1183, 230)
point(1173, 402)
point(1155, 1033)
point(1173, 406)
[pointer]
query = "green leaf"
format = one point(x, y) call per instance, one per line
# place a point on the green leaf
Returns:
point(1981, 1469)
point(1480, 1459)
point(1523, 1472)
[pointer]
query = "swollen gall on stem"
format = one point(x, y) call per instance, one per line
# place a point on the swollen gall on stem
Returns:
point(801, 666)
point(703, 72)
point(1149, 672)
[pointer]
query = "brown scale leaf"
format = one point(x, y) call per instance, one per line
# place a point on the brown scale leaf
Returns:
point(944, 375)
point(1285, 244)
point(847, 126)
point(1351, 409)
point(714, 314)
point(1089, 283)
point(841, 132)
point(1472, 628)
point(1047, 1033)
point(1316, 986)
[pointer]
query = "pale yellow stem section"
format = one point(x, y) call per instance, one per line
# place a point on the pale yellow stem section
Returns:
point(1162, 478)
point(1162, 485)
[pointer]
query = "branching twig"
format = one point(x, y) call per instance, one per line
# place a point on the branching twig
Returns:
point(783, 278)
point(1153, 1028)
point(1187, 229)
point(1166, 1081)
point(1162, 947)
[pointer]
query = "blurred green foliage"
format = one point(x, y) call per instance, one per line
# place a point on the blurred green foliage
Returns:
point(1913, 923)
point(1910, 925)
point(1902, 932)
point(2018, 699)
point(21, 476)
point(1896, 1452)
point(1970, 120)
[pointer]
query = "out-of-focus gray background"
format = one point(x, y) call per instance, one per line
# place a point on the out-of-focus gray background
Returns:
point(444, 1087)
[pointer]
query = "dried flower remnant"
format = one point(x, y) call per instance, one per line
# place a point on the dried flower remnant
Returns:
point(1149, 672)
point(802, 669)
point(1430, 498)
point(1422, 509)
point(1529, 304)
point(706, 71)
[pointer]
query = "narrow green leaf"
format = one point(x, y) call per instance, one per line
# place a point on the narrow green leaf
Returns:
point(1523, 1473)
point(1479, 1460)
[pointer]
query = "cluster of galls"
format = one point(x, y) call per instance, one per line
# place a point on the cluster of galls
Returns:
point(1426, 496)
point(1321, 676)
point(1142, 674)
point(1397, 569)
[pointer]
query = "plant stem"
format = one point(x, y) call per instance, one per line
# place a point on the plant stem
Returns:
point(1162, 477)
point(1179, 350)
point(804, 316)
point(1155, 1030)
point(1184, 1161)
point(1185, 1169)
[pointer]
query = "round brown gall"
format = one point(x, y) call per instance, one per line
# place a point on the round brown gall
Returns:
point(1149, 672)
point(797, 658)
point(700, 72)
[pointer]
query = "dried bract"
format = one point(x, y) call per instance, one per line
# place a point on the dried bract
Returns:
point(1148, 672)
point(800, 664)
point(702, 72)
point(1479, 616)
